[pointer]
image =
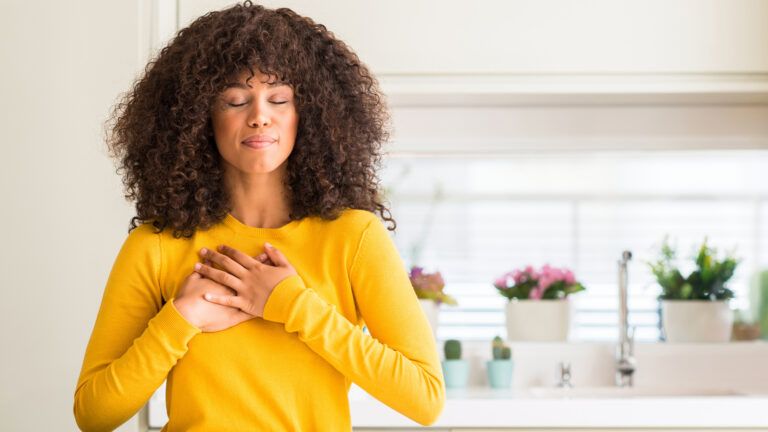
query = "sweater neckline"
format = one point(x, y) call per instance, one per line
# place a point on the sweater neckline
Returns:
point(240, 228)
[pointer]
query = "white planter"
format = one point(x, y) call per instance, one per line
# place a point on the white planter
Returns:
point(431, 310)
point(697, 320)
point(538, 320)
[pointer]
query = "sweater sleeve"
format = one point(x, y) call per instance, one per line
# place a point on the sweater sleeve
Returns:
point(398, 362)
point(135, 341)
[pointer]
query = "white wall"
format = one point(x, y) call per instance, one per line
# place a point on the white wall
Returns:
point(64, 218)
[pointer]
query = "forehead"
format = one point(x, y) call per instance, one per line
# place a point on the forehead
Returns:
point(246, 80)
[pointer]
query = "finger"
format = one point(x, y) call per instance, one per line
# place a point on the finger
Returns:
point(244, 260)
point(220, 276)
point(275, 255)
point(226, 300)
point(225, 263)
point(264, 259)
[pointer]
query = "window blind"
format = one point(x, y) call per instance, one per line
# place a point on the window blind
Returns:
point(474, 218)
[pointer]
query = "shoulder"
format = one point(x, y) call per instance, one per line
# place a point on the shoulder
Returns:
point(360, 222)
point(357, 218)
point(143, 234)
point(353, 224)
point(145, 239)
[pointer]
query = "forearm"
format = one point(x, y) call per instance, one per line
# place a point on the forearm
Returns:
point(410, 381)
point(111, 390)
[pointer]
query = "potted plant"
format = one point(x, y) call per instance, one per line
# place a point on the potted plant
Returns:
point(455, 369)
point(429, 290)
point(539, 308)
point(500, 368)
point(759, 300)
point(695, 308)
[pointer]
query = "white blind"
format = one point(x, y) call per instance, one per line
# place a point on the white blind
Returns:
point(474, 218)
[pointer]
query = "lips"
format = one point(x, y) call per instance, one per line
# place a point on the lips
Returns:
point(259, 141)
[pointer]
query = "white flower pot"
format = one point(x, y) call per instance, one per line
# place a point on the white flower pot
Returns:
point(538, 320)
point(697, 320)
point(431, 310)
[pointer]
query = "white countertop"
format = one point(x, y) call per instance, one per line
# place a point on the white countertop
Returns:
point(484, 407)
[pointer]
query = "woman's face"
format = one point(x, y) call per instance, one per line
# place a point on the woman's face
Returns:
point(254, 124)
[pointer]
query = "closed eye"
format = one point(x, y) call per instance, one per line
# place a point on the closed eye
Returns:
point(244, 103)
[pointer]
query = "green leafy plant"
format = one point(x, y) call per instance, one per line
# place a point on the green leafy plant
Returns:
point(501, 351)
point(452, 349)
point(706, 282)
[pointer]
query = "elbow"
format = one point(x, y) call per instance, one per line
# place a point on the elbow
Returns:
point(433, 404)
point(87, 423)
point(85, 419)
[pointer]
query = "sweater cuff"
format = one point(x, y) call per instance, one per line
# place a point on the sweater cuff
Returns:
point(173, 323)
point(280, 301)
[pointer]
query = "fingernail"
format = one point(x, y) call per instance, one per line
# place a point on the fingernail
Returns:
point(203, 251)
point(267, 244)
point(208, 296)
point(197, 266)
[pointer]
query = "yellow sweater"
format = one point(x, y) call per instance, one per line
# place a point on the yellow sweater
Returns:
point(290, 370)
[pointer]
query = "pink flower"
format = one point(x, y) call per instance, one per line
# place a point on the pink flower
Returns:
point(570, 279)
point(518, 276)
point(540, 281)
point(530, 273)
point(536, 293)
point(416, 271)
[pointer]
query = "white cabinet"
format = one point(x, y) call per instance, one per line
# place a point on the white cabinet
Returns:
point(540, 36)
point(502, 52)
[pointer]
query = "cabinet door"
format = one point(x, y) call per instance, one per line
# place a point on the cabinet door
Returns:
point(539, 36)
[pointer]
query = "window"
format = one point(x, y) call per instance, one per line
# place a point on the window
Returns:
point(473, 218)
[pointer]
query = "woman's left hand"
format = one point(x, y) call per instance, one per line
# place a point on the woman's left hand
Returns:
point(252, 280)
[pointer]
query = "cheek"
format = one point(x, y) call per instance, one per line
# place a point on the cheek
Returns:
point(223, 129)
point(293, 124)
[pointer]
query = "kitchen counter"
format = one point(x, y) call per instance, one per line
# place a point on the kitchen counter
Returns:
point(482, 407)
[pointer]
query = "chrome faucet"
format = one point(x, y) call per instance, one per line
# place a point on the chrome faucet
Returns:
point(565, 375)
point(625, 361)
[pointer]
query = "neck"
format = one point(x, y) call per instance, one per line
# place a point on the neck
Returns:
point(259, 200)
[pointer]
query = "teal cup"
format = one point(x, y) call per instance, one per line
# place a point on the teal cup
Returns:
point(456, 373)
point(499, 373)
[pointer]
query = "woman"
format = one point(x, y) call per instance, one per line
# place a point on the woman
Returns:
point(250, 146)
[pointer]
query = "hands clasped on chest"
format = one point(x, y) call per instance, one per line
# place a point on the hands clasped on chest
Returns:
point(235, 290)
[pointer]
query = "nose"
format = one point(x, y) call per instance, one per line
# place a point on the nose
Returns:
point(259, 117)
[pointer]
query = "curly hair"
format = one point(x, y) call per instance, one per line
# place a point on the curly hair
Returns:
point(162, 134)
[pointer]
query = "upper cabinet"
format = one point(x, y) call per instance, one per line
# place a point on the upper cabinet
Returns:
point(538, 50)
point(541, 36)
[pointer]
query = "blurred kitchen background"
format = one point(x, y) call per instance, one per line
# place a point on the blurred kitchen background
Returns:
point(526, 132)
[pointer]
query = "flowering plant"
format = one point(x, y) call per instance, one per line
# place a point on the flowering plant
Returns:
point(546, 283)
point(429, 286)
